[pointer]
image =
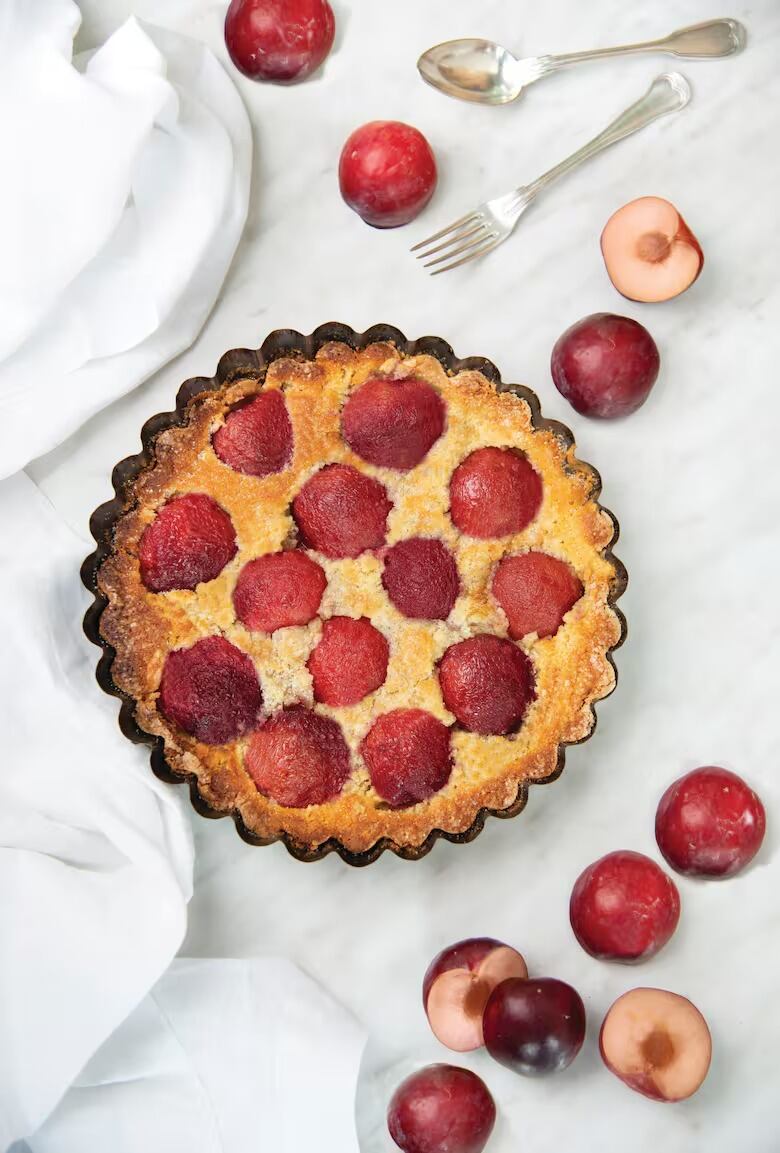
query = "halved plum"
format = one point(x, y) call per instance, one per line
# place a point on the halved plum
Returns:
point(190, 541)
point(494, 492)
point(298, 758)
point(211, 690)
point(341, 512)
point(487, 682)
point(407, 752)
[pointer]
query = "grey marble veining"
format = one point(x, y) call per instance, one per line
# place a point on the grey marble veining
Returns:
point(693, 477)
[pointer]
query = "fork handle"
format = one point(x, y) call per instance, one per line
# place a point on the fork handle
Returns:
point(668, 93)
point(709, 41)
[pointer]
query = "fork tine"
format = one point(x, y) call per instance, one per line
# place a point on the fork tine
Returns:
point(456, 239)
point(468, 247)
point(472, 255)
point(469, 218)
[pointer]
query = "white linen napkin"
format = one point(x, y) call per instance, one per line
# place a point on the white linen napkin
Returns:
point(95, 853)
point(95, 871)
point(223, 1056)
point(124, 193)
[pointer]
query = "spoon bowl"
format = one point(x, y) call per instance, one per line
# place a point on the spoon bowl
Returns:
point(477, 70)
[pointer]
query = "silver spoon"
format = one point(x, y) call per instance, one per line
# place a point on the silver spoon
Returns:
point(486, 73)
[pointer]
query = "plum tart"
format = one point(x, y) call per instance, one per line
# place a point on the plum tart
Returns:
point(357, 592)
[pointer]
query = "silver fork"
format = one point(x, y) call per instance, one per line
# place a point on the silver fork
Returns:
point(489, 225)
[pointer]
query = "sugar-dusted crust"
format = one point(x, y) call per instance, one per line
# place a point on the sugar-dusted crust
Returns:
point(572, 668)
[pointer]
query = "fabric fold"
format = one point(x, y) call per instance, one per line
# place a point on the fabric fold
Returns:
point(223, 1056)
point(95, 854)
point(130, 189)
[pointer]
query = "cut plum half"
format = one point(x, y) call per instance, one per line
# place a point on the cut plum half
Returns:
point(349, 662)
point(298, 758)
point(457, 986)
point(211, 691)
point(393, 423)
point(407, 752)
point(487, 683)
point(279, 590)
point(494, 492)
point(650, 252)
point(535, 591)
point(657, 1043)
point(421, 578)
point(188, 543)
point(342, 512)
point(257, 436)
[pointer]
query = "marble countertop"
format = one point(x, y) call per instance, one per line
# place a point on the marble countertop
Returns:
point(693, 478)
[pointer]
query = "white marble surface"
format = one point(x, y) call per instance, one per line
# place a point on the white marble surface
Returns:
point(693, 478)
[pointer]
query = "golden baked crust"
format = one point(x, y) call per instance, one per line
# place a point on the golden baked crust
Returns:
point(572, 667)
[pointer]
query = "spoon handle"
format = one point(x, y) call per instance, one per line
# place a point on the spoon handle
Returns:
point(708, 41)
point(667, 93)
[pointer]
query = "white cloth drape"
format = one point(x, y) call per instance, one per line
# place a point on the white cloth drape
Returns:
point(124, 191)
point(222, 1057)
point(95, 854)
